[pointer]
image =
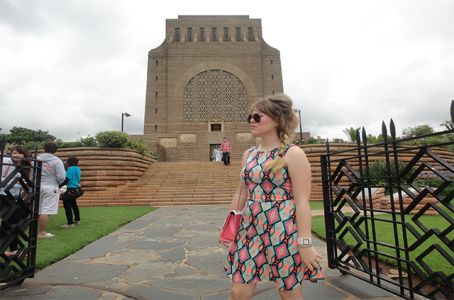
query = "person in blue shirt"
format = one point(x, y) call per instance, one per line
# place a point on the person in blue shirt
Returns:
point(69, 199)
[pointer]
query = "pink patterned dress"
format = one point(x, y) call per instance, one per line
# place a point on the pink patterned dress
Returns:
point(265, 247)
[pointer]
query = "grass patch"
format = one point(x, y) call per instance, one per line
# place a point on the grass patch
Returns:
point(96, 222)
point(384, 233)
point(316, 205)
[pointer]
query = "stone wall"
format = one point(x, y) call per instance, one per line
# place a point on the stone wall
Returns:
point(383, 202)
point(107, 167)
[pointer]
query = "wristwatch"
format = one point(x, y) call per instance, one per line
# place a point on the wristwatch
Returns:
point(304, 242)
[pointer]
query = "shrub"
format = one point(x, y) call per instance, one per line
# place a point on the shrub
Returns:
point(89, 141)
point(73, 144)
point(435, 183)
point(112, 139)
point(377, 172)
point(137, 145)
point(309, 141)
point(378, 168)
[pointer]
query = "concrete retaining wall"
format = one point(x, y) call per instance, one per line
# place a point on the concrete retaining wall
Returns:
point(107, 167)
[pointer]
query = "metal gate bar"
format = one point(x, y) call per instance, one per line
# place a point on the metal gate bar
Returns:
point(18, 219)
point(356, 246)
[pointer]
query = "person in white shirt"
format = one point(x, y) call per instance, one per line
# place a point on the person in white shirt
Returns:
point(52, 175)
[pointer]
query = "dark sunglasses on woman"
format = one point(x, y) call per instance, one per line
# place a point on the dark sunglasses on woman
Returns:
point(255, 116)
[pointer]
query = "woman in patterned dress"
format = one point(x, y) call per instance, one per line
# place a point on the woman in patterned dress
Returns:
point(274, 241)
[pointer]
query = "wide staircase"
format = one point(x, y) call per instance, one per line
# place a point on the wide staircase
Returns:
point(173, 183)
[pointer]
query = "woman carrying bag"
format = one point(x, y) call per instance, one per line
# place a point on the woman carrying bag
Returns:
point(72, 192)
point(274, 237)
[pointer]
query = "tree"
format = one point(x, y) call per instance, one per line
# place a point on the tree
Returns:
point(21, 136)
point(351, 133)
point(372, 139)
point(417, 131)
point(448, 125)
point(337, 140)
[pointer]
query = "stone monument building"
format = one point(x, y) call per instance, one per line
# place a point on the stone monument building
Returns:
point(201, 82)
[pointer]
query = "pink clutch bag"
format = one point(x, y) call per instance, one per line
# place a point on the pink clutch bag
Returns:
point(231, 226)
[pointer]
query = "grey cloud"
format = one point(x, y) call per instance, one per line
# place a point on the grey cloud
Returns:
point(427, 20)
point(97, 64)
point(22, 16)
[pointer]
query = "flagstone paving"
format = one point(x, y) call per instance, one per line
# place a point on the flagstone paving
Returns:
point(171, 253)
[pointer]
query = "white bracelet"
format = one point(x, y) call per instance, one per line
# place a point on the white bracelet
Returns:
point(304, 242)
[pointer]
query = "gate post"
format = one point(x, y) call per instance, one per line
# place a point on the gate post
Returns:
point(329, 219)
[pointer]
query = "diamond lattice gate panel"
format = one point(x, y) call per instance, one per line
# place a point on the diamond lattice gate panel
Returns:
point(19, 204)
point(409, 229)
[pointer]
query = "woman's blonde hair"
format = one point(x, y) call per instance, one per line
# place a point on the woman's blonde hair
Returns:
point(280, 108)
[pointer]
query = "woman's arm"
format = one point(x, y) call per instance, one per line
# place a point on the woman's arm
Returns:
point(239, 199)
point(300, 174)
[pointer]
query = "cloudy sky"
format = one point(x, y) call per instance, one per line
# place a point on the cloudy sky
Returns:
point(72, 67)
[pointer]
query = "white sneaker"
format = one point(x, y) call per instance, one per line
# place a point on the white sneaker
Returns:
point(46, 235)
point(67, 226)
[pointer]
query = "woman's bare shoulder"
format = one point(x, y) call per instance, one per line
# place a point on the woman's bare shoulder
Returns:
point(295, 152)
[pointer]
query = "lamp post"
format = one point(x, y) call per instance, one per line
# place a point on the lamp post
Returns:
point(299, 118)
point(123, 115)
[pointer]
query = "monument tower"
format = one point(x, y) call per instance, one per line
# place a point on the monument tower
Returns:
point(201, 82)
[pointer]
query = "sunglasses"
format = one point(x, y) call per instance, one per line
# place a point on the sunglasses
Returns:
point(255, 116)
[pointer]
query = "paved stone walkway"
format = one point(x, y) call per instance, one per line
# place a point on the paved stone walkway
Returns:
point(171, 253)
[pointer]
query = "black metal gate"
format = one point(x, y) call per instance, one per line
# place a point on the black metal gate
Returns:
point(18, 219)
point(410, 227)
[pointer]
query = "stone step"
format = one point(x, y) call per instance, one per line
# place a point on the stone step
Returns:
point(166, 189)
point(156, 199)
point(179, 183)
point(156, 195)
point(154, 203)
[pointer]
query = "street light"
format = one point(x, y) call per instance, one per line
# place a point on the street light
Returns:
point(125, 114)
point(301, 128)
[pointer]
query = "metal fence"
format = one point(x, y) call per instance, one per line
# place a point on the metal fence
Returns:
point(19, 204)
point(410, 228)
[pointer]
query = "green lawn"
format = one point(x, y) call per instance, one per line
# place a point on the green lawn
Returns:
point(384, 232)
point(316, 205)
point(96, 222)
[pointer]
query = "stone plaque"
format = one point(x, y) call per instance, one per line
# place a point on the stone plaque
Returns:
point(188, 138)
point(244, 137)
point(168, 142)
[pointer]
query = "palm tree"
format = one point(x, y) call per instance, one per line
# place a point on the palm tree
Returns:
point(351, 133)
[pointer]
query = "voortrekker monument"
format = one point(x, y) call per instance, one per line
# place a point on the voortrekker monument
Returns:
point(201, 82)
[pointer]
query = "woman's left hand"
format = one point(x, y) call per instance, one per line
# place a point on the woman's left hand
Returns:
point(310, 258)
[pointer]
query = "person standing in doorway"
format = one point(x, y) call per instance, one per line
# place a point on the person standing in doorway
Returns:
point(218, 154)
point(53, 174)
point(226, 149)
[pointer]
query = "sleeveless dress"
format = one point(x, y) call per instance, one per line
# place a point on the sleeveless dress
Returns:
point(265, 247)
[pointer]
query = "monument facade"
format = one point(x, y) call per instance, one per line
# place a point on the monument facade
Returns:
point(201, 82)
